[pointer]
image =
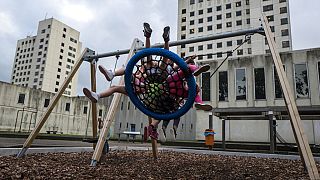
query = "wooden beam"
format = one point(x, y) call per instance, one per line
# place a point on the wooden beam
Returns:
point(52, 104)
point(111, 113)
point(93, 105)
point(300, 136)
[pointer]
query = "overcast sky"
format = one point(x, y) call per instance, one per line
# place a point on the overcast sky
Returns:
point(110, 25)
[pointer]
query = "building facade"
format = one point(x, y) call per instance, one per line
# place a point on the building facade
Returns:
point(45, 60)
point(22, 107)
point(197, 18)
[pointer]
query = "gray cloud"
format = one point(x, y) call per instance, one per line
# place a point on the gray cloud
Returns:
point(112, 25)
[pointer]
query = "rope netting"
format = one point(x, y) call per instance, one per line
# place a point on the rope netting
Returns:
point(160, 85)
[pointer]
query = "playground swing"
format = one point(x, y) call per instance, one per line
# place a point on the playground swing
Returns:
point(88, 55)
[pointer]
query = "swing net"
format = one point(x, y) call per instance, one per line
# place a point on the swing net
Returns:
point(158, 85)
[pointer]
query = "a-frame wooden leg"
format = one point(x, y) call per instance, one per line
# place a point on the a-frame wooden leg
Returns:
point(52, 104)
point(93, 105)
point(111, 113)
point(300, 136)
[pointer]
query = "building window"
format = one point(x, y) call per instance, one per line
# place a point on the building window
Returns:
point(270, 18)
point(209, 28)
point(200, 29)
point(200, 12)
point(240, 52)
point(259, 83)
point(283, 10)
point(205, 83)
point(46, 102)
point(277, 86)
point(192, 2)
point(249, 51)
point(239, 22)
point(219, 45)
point(301, 80)
point(248, 21)
point(281, 1)
point(209, 46)
point(228, 15)
point(285, 44)
point(284, 32)
point(219, 26)
point(229, 24)
point(184, 19)
point(200, 21)
point(209, 19)
point(228, 6)
point(191, 49)
point(241, 84)
point(200, 48)
point(191, 13)
point(284, 21)
point(85, 110)
point(238, 4)
point(229, 43)
point(268, 8)
point(219, 17)
point(247, 2)
point(209, 10)
point(192, 22)
point(183, 11)
point(191, 31)
point(67, 107)
point(219, 8)
point(100, 111)
point(223, 86)
point(63, 35)
point(238, 13)
point(43, 31)
point(21, 98)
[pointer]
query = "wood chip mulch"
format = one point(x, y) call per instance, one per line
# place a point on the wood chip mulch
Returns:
point(141, 165)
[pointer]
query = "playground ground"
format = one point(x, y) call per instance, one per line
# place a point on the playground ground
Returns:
point(141, 165)
point(128, 160)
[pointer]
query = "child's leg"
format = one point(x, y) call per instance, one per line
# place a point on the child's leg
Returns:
point(109, 74)
point(152, 129)
point(113, 89)
point(166, 38)
point(147, 33)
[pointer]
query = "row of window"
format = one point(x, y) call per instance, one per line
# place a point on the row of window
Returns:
point(300, 77)
point(219, 8)
point(22, 96)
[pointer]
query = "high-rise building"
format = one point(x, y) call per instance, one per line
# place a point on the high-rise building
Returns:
point(198, 18)
point(45, 60)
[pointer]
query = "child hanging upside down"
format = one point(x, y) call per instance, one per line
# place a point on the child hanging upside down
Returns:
point(152, 66)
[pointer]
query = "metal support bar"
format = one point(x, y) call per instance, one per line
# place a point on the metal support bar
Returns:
point(184, 41)
point(52, 104)
point(271, 132)
point(298, 131)
point(223, 134)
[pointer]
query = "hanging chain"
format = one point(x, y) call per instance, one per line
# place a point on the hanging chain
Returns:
point(247, 38)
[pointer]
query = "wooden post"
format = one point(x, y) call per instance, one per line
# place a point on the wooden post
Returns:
point(300, 136)
point(153, 143)
point(94, 105)
point(52, 104)
point(111, 113)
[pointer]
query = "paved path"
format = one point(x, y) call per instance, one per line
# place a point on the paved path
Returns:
point(8, 146)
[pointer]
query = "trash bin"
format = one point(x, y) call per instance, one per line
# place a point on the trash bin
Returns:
point(209, 137)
